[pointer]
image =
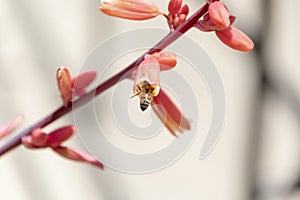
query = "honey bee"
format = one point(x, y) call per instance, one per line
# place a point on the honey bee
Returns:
point(146, 91)
point(147, 81)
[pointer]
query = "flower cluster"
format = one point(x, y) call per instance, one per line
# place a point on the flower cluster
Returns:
point(217, 18)
point(212, 17)
point(70, 87)
point(177, 13)
point(148, 73)
point(39, 139)
point(220, 21)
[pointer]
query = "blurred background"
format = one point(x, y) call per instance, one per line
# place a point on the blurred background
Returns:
point(257, 156)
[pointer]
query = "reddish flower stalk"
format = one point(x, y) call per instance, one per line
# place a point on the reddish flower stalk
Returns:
point(166, 41)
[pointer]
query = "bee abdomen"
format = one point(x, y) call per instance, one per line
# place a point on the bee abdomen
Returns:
point(144, 106)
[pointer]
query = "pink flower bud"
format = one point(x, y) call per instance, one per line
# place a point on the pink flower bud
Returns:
point(80, 82)
point(235, 39)
point(174, 6)
point(63, 78)
point(179, 19)
point(167, 60)
point(77, 85)
point(130, 9)
point(37, 139)
point(10, 126)
point(74, 154)
point(206, 24)
point(219, 14)
point(148, 70)
point(184, 10)
point(58, 136)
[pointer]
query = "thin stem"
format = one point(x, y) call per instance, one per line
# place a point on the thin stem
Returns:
point(166, 41)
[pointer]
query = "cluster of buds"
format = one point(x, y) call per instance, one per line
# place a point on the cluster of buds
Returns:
point(76, 86)
point(37, 139)
point(214, 16)
point(219, 20)
point(216, 19)
point(177, 13)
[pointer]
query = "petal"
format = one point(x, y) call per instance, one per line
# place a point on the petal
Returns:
point(37, 139)
point(80, 92)
point(205, 24)
point(231, 19)
point(148, 70)
point(81, 81)
point(27, 142)
point(219, 14)
point(169, 113)
point(64, 82)
point(58, 136)
point(10, 126)
point(179, 20)
point(167, 60)
point(174, 6)
point(130, 9)
point(235, 39)
point(184, 10)
point(74, 154)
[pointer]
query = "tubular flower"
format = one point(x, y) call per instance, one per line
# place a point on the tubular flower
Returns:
point(235, 39)
point(130, 9)
point(169, 113)
point(219, 14)
point(69, 86)
point(10, 126)
point(147, 78)
point(218, 19)
point(147, 87)
point(39, 139)
point(167, 60)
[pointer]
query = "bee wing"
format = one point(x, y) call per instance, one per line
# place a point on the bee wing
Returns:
point(148, 70)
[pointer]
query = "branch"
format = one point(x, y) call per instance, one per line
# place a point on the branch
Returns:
point(166, 41)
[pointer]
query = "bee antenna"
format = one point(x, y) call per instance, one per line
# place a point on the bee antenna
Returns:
point(135, 95)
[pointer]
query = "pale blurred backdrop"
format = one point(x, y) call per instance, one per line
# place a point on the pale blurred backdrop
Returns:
point(257, 156)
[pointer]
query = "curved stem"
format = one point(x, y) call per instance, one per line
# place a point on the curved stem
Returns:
point(166, 41)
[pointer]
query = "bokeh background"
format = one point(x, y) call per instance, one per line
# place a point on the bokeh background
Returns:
point(257, 156)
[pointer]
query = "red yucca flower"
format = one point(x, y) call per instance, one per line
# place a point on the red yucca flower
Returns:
point(69, 86)
point(218, 19)
point(39, 139)
point(147, 87)
point(130, 9)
